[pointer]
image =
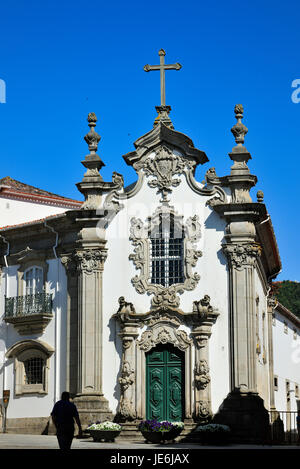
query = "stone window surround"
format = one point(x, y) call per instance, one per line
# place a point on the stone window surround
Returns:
point(139, 236)
point(22, 351)
point(24, 266)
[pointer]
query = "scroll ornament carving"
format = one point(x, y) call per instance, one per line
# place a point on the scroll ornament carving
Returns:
point(211, 176)
point(163, 167)
point(90, 260)
point(203, 410)
point(127, 377)
point(201, 374)
point(87, 261)
point(125, 308)
point(203, 306)
point(160, 318)
point(126, 411)
point(166, 297)
point(164, 335)
point(242, 255)
point(272, 302)
point(69, 264)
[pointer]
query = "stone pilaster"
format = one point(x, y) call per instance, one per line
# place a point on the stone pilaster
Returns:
point(201, 332)
point(85, 355)
point(243, 410)
point(128, 333)
point(241, 259)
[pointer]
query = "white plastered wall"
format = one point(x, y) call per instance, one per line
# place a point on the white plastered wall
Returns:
point(119, 270)
point(54, 335)
point(286, 360)
point(14, 212)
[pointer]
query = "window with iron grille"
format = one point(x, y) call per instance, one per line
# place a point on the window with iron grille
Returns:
point(167, 252)
point(34, 370)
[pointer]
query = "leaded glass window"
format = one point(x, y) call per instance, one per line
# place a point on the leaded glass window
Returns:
point(166, 252)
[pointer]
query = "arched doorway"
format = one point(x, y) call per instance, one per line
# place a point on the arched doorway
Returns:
point(165, 383)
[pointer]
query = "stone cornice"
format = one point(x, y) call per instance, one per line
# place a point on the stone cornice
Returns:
point(202, 314)
point(282, 310)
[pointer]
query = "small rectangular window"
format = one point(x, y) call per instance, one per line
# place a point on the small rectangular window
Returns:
point(34, 368)
point(275, 383)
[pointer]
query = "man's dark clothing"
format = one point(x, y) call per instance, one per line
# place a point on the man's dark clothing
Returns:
point(63, 414)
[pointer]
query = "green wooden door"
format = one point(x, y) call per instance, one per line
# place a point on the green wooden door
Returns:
point(165, 383)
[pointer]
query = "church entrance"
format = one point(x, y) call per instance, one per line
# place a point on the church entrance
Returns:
point(165, 383)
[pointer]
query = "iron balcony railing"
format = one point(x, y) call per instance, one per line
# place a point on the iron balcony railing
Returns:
point(284, 428)
point(26, 305)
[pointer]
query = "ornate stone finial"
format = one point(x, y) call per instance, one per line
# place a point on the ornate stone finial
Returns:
point(92, 138)
point(260, 196)
point(91, 185)
point(239, 130)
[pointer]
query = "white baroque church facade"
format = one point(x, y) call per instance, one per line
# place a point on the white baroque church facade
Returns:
point(149, 301)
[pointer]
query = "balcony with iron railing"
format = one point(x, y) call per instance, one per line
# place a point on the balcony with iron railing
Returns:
point(29, 313)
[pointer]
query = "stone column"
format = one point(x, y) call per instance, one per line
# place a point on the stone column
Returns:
point(85, 333)
point(201, 333)
point(243, 409)
point(241, 260)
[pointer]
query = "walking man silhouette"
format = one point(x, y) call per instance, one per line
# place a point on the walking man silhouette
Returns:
point(63, 415)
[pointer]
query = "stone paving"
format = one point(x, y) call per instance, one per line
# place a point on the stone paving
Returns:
point(17, 441)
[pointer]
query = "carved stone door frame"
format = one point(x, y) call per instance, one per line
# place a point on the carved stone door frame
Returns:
point(163, 333)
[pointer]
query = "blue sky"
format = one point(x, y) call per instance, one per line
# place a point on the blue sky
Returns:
point(62, 60)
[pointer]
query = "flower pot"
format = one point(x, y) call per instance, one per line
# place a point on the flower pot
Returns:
point(215, 438)
point(161, 437)
point(104, 435)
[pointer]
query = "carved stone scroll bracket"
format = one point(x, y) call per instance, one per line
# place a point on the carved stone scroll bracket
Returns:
point(204, 316)
point(126, 410)
point(201, 374)
point(164, 334)
point(128, 333)
point(203, 411)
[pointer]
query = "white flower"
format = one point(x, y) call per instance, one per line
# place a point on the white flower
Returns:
point(109, 426)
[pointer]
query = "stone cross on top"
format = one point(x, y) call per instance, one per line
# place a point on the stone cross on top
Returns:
point(162, 67)
point(162, 110)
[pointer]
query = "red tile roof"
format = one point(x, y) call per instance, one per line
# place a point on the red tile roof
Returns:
point(31, 222)
point(13, 189)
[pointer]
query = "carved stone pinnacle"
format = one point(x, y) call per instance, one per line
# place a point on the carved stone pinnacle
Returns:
point(92, 138)
point(239, 130)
